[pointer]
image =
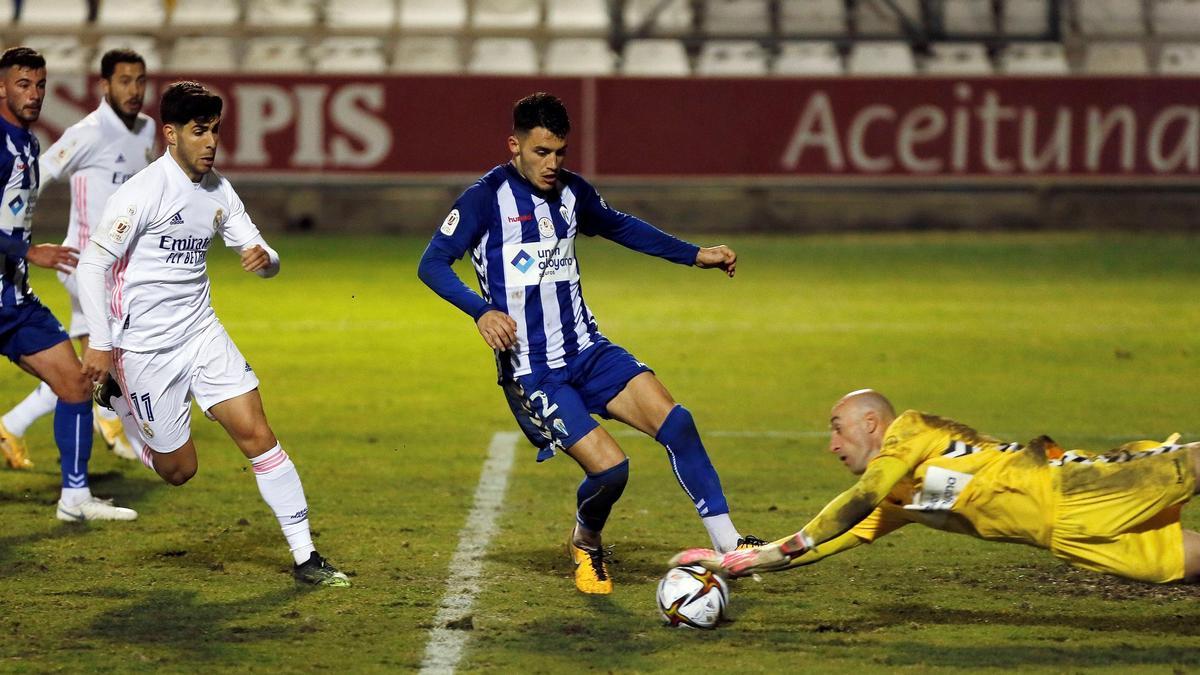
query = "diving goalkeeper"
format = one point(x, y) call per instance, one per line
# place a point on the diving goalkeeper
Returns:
point(1116, 512)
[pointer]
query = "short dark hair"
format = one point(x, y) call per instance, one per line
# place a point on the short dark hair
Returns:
point(24, 57)
point(541, 110)
point(183, 102)
point(108, 62)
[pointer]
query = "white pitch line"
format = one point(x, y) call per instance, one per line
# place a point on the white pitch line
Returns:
point(445, 646)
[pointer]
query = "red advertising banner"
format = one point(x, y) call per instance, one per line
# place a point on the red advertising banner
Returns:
point(843, 128)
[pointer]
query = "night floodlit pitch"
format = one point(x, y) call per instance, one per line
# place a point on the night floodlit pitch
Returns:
point(383, 395)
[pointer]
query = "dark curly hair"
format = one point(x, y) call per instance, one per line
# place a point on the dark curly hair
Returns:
point(183, 102)
point(541, 110)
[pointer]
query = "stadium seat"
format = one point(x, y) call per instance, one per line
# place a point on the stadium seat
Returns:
point(812, 17)
point(876, 17)
point(281, 13)
point(969, 17)
point(503, 56)
point(142, 44)
point(1175, 17)
point(432, 54)
point(737, 17)
point(1025, 17)
point(506, 15)
point(655, 58)
point(1110, 17)
point(137, 14)
point(359, 55)
point(881, 58)
point(438, 15)
point(377, 14)
point(731, 58)
point(577, 17)
point(276, 55)
point(958, 58)
point(63, 53)
point(673, 18)
point(1115, 58)
point(8, 11)
point(54, 13)
point(807, 58)
point(579, 56)
point(197, 13)
point(1179, 59)
point(1034, 58)
point(202, 55)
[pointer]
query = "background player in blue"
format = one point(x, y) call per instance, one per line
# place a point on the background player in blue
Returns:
point(519, 222)
point(30, 336)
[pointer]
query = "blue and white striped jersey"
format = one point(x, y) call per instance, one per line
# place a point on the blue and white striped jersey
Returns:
point(19, 167)
point(522, 244)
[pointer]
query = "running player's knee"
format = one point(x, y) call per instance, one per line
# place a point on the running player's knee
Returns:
point(177, 475)
point(72, 387)
point(678, 424)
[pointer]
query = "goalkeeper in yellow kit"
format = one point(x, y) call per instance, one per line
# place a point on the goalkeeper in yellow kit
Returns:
point(1115, 512)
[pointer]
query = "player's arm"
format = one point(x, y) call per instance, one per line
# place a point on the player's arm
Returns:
point(239, 232)
point(89, 277)
point(64, 157)
point(259, 257)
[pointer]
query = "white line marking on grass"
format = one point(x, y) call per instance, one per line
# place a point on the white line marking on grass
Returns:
point(445, 646)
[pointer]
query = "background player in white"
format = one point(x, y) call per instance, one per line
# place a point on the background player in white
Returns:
point(153, 325)
point(98, 154)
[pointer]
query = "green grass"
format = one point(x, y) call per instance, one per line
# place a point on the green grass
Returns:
point(384, 395)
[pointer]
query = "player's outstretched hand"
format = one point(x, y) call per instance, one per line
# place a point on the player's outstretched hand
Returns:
point(721, 257)
point(498, 329)
point(96, 364)
point(53, 256)
point(744, 562)
point(255, 258)
point(705, 557)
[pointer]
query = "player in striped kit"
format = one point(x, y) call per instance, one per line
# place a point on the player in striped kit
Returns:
point(98, 154)
point(30, 336)
point(519, 223)
point(153, 326)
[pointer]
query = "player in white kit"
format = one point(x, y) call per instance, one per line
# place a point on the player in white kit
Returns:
point(153, 327)
point(98, 154)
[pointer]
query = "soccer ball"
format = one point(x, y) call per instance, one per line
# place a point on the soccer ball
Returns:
point(690, 596)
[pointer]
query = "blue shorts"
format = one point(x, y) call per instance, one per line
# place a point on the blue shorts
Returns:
point(28, 329)
point(554, 408)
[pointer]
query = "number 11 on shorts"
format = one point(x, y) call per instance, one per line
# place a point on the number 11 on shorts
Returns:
point(145, 401)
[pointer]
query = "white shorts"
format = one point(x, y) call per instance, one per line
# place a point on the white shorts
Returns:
point(159, 386)
point(78, 326)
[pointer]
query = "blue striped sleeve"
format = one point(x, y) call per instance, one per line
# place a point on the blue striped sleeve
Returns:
point(597, 218)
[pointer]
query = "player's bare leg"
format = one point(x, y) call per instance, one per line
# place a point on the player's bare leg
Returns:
point(646, 405)
point(279, 483)
point(607, 470)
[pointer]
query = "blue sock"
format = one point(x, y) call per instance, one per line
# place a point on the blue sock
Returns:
point(689, 461)
point(597, 494)
point(73, 435)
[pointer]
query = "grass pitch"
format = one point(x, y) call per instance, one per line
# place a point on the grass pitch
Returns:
point(384, 396)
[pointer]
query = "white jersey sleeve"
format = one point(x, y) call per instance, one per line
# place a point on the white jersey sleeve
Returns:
point(239, 232)
point(68, 153)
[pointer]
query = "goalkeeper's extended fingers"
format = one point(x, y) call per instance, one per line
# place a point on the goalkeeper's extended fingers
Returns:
point(750, 561)
point(696, 556)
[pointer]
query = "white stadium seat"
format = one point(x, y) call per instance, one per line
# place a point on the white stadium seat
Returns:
point(432, 54)
point(1034, 58)
point(732, 58)
point(881, 58)
point(577, 17)
point(281, 13)
point(807, 58)
point(503, 56)
point(376, 14)
point(202, 55)
point(142, 44)
point(1110, 17)
point(276, 55)
point(506, 15)
point(7, 12)
point(579, 56)
point(1179, 59)
point(812, 17)
point(1116, 58)
point(198, 13)
point(737, 17)
point(357, 55)
point(876, 17)
point(1025, 17)
point(437, 15)
point(656, 57)
point(1176, 17)
point(958, 58)
point(136, 14)
point(63, 53)
point(673, 18)
point(968, 16)
point(54, 13)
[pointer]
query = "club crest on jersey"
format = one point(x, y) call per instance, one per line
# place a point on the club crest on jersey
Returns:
point(562, 210)
point(177, 219)
point(147, 430)
point(218, 218)
point(450, 224)
point(119, 230)
point(546, 227)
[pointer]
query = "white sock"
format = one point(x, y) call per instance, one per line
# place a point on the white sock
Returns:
point(132, 431)
point(722, 532)
point(279, 484)
point(39, 402)
point(75, 496)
